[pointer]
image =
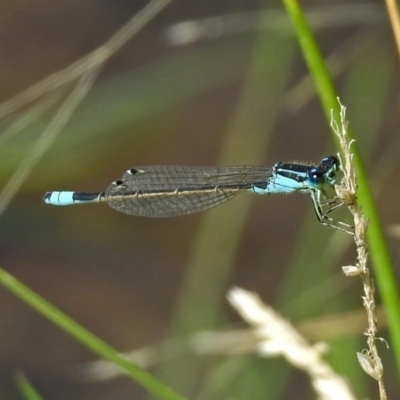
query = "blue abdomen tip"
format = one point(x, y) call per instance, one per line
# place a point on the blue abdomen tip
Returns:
point(59, 198)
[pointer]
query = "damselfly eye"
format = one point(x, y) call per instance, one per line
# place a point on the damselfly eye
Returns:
point(316, 177)
point(329, 162)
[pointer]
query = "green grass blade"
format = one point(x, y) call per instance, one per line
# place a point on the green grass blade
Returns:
point(26, 388)
point(377, 244)
point(87, 338)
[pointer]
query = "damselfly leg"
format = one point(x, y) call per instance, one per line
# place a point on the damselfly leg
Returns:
point(324, 207)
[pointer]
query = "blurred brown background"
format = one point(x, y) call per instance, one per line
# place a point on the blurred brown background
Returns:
point(236, 94)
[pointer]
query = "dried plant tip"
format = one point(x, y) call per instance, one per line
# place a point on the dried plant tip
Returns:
point(351, 270)
point(372, 366)
point(347, 197)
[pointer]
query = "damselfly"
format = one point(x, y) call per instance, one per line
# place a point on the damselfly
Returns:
point(167, 191)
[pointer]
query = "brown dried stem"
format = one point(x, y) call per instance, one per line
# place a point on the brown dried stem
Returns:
point(346, 191)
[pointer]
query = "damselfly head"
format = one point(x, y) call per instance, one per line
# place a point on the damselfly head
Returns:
point(325, 173)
